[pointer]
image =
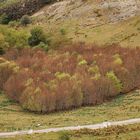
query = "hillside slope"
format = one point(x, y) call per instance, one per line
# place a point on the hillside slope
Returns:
point(88, 21)
point(109, 10)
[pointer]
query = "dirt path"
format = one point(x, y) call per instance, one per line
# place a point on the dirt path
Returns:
point(94, 126)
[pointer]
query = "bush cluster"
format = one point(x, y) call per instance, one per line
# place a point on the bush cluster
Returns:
point(12, 38)
point(37, 36)
point(70, 77)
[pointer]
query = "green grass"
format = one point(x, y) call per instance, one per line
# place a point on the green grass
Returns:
point(13, 117)
point(130, 132)
point(126, 33)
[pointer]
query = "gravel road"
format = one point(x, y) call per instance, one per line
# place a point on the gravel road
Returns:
point(94, 126)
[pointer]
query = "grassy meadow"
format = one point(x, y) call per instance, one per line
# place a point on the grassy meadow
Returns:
point(13, 117)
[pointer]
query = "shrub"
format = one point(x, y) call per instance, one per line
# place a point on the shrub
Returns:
point(58, 40)
point(4, 19)
point(67, 91)
point(117, 59)
point(2, 51)
point(111, 75)
point(63, 31)
point(31, 99)
point(13, 23)
point(94, 72)
point(15, 85)
point(3, 44)
point(7, 68)
point(82, 62)
point(25, 20)
point(13, 38)
point(43, 46)
point(37, 36)
point(36, 97)
point(64, 136)
point(61, 76)
point(88, 90)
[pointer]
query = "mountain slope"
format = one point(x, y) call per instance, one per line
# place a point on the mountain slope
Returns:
point(91, 10)
point(89, 21)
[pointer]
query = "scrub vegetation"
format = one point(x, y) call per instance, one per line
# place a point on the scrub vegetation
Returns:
point(69, 77)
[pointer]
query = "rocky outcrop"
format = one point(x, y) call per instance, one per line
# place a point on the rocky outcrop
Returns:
point(121, 9)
